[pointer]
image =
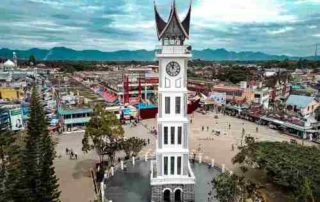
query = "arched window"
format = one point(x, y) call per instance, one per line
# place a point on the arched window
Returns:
point(177, 195)
point(166, 195)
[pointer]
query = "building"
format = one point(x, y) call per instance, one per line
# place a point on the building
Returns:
point(261, 94)
point(138, 83)
point(235, 94)
point(74, 117)
point(218, 98)
point(11, 117)
point(171, 176)
point(304, 105)
point(280, 91)
point(10, 94)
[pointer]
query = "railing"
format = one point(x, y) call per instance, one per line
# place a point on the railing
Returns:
point(173, 49)
point(190, 179)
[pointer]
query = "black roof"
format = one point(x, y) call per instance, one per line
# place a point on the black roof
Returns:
point(174, 28)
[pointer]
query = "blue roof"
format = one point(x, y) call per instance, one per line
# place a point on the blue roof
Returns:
point(142, 105)
point(74, 111)
point(300, 101)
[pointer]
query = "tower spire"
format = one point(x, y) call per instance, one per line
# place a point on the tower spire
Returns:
point(173, 29)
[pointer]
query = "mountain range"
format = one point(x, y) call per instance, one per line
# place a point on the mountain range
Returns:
point(62, 53)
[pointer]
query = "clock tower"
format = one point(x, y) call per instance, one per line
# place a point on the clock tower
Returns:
point(171, 176)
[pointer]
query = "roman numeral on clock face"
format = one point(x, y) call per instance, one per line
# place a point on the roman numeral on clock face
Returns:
point(173, 69)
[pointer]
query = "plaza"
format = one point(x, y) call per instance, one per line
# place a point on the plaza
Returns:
point(75, 178)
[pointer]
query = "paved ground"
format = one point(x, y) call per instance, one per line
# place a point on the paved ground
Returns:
point(74, 175)
point(219, 147)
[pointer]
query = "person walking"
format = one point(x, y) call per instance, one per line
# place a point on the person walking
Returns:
point(67, 151)
point(71, 154)
point(202, 128)
point(148, 141)
point(207, 128)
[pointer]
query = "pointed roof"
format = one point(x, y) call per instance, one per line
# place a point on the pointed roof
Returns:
point(174, 27)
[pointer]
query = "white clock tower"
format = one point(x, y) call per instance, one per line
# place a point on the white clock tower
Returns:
point(171, 176)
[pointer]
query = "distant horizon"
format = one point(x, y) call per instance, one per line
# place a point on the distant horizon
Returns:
point(220, 54)
point(277, 27)
point(117, 50)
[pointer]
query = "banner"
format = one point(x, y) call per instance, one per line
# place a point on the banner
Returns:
point(16, 119)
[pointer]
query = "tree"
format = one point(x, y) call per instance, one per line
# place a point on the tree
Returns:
point(38, 181)
point(226, 187)
point(7, 149)
point(103, 133)
point(231, 188)
point(49, 181)
point(30, 162)
point(293, 167)
point(132, 146)
point(304, 193)
point(32, 60)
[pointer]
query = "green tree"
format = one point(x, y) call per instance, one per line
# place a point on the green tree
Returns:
point(13, 168)
point(226, 187)
point(293, 167)
point(49, 181)
point(7, 140)
point(31, 156)
point(305, 193)
point(103, 133)
point(132, 146)
point(38, 181)
point(32, 60)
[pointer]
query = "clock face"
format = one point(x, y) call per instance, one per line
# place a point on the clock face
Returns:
point(173, 69)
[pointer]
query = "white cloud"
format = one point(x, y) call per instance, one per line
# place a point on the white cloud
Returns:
point(306, 1)
point(245, 11)
point(312, 26)
point(280, 31)
point(316, 35)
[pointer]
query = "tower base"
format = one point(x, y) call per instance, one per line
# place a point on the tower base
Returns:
point(173, 193)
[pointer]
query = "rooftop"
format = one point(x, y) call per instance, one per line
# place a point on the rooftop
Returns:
point(62, 111)
point(300, 101)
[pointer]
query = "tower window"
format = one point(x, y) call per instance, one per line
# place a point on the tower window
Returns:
point(165, 165)
point(178, 105)
point(179, 135)
point(172, 135)
point(179, 165)
point(167, 105)
point(165, 135)
point(172, 165)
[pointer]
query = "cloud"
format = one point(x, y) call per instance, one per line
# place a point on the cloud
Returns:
point(245, 11)
point(312, 26)
point(272, 26)
point(281, 30)
point(307, 1)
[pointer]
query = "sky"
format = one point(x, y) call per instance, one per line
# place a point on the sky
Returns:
point(290, 27)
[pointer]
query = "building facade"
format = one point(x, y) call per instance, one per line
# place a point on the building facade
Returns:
point(171, 176)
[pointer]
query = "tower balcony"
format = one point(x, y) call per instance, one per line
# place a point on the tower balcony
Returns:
point(156, 179)
point(173, 51)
